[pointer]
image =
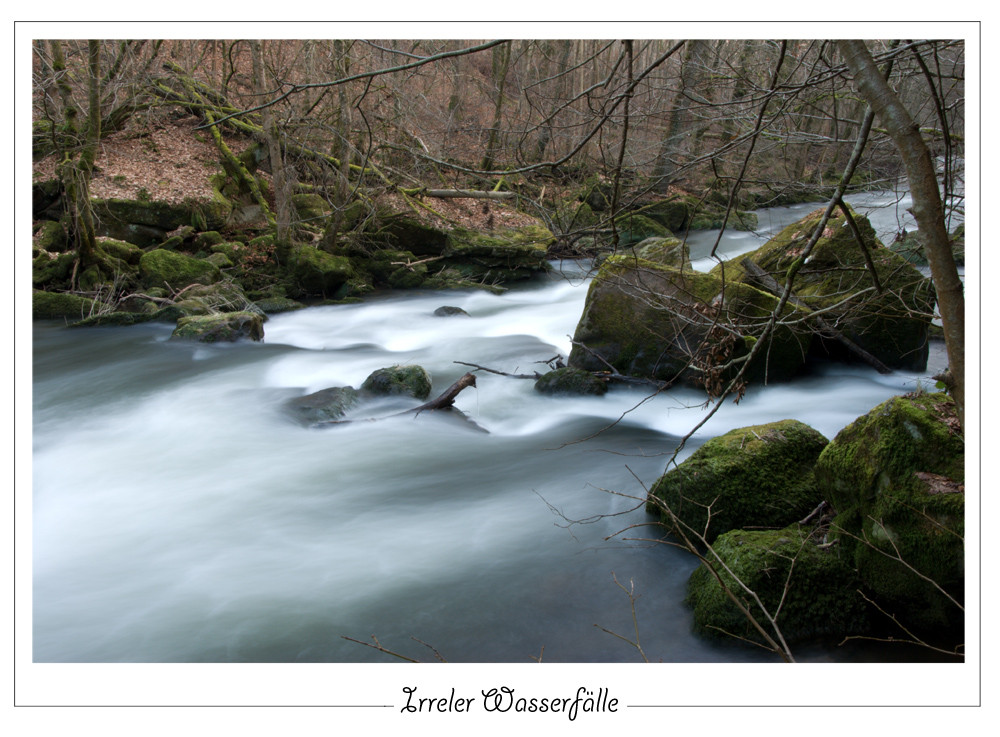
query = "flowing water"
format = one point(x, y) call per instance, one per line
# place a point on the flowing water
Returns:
point(179, 515)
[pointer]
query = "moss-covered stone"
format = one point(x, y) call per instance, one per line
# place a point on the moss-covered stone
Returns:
point(570, 381)
point(204, 214)
point(217, 328)
point(310, 206)
point(633, 228)
point(127, 252)
point(411, 380)
point(659, 322)
point(50, 270)
point(671, 213)
point(895, 478)
point(208, 239)
point(160, 268)
point(758, 476)
point(322, 406)
point(811, 590)
point(274, 305)
point(892, 326)
point(51, 236)
point(668, 251)
point(320, 273)
point(56, 305)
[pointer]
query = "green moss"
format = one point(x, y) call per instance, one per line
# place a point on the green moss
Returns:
point(409, 380)
point(54, 305)
point(52, 272)
point(127, 252)
point(216, 328)
point(892, 326)
point(812, 592)
point(894, 477)
point(759, 476)
point(320, 273)
point(51, 236)
point(160, 268)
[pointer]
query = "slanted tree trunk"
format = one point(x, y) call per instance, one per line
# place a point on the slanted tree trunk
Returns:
point(927, 205)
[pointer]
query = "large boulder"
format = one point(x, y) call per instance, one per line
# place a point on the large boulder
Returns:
point(758, 476)
point(218, 328)
point(810, 590)
point(146, 221)
point(892, 325)
point(660, 322)
point(161, 268)
point(508, 255)
point(896, 479)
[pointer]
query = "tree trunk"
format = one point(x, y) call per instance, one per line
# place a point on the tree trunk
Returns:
point(927, 205)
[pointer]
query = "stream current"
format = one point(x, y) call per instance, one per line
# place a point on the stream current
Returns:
point(179, 516)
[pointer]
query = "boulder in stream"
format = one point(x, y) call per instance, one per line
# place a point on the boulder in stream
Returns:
point(221, 327)
point(570, 381)
point(411, 380)
point(811, 589)
point(896, 479)
point(758, 476)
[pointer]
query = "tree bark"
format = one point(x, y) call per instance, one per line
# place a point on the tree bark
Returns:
point(927, 205)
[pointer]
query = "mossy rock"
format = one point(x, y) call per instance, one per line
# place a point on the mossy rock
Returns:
point(647, 319)
point(668, 251)
point(895, 477)
point(409, 234)
point(671, 213)
point(52, 271)
point(56, 305)
point(230, 249)
point(204, 214)
point(310, 206)
point(219, 328)
point(51, 236)
point(159, 268)
point(127, 252)
point(220, 259)
point(322, 406)
point(319, 273)
point(633, 227)
point(812, 590)
point(892, 326)
point(712, 220)
point(570, 381)
point(274, 305)
point(208, 239)
point(758, 476)
point(411, 380)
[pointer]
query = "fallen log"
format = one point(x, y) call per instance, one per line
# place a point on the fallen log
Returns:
point(474, 194)
point(770, 284)
point(446, 399)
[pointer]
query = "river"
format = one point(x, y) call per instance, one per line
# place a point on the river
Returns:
point(179, 516)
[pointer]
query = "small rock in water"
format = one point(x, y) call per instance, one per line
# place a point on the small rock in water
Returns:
point(448, 311)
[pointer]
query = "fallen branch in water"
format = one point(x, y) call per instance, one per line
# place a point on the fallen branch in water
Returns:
point(447, 399)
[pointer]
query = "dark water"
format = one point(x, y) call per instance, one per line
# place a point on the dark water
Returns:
point(179, 516)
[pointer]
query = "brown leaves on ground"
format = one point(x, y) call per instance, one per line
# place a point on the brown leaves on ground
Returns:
point(170, 161)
